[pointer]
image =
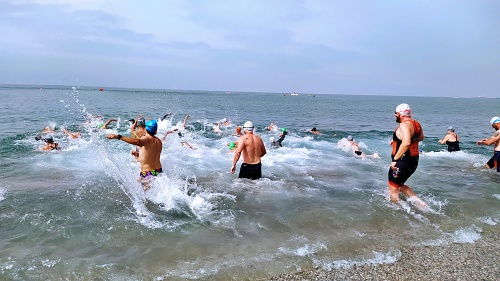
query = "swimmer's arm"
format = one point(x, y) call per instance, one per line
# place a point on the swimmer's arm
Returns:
point(237, 153)
point(139, 142)
point(491, 140)
point(107, 123)
point(443, 141)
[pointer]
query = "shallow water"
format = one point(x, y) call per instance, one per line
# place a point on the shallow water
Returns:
point(80, 212)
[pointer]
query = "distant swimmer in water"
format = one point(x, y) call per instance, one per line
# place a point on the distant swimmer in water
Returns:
point(216, 128)
point(49, 129)
point(357, 151)
point(138, 128)
point(237, 131)
point(150, 148)
point(494, 140)
point(253, 150)
point(272, 127)
point(106, 124)
point(282, 136)
point(71, 135)
point(405, 154)
point(137, 131)
point(50, 144)
point(451, 139)
point(165, 116)
point(315, 131)
point(184, 143)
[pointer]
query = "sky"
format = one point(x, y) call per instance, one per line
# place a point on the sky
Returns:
point(402, 48)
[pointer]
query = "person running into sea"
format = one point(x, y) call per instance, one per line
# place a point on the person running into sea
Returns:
point(405, 154)
point(451, 139)
point(495, 140)
point(150, 148)
point(253, 150)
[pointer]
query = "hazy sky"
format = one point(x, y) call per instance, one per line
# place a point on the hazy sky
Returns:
point(422, 48)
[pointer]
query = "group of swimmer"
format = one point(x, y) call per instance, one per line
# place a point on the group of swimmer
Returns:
point(404, 156)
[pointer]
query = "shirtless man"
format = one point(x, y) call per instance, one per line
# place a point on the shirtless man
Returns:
point(253, 149)
point(404, 154)
point(149, 152)
point(495, 140)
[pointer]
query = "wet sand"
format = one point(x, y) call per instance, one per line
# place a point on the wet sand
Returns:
point(468, 261)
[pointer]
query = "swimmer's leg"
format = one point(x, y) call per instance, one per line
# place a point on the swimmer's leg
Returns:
point(406, 190)
point(393, 193)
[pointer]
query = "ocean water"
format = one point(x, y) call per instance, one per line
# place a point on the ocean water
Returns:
point(80, 214)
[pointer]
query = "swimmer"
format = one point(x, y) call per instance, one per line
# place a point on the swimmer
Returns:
point(315, 131)
point(238, 132)
point(70, 134)
point(357, 151)
point(272, 127)
point(495, 141)
point(404, 154)
point(106, 124)
point(282, 136)
point(50, 144)
point(253, 150)
point(150, 148)
point(451, 139)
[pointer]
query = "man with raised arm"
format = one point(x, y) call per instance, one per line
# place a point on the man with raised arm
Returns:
point(149, 152)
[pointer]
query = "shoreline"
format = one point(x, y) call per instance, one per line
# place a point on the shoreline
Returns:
point(466, 261)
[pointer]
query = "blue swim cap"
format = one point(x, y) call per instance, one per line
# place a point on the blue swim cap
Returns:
point(151, 126)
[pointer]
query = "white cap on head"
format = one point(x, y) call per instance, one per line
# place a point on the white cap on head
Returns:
point(272, 138)
point(248, 126)
point(451, 129)
point(494, 120)
point(403, 109)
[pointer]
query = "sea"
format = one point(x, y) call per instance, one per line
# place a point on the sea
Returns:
point(79, 213)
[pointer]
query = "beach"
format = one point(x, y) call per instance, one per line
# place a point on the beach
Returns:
point(456, 261)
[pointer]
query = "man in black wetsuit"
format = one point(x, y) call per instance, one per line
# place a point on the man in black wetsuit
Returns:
point(405, 154)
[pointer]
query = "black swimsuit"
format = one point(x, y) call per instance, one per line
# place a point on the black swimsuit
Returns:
point(453, 146)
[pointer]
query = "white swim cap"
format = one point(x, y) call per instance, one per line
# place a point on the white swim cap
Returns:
point(349, 138)
point(404, 109)
point(494, 120)
point(451, 129)
point(248, 126)
point(272, 138)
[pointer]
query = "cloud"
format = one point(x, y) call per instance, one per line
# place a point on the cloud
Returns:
point(344, 47)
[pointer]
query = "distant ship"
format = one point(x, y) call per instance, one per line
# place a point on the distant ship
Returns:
point(294, 94)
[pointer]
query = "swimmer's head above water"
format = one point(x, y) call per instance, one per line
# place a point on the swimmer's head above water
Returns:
point(248, 126)
point(151, 127)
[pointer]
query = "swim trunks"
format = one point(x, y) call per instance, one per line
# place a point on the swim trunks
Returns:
point(496, 160)
point(251, 171)
point(405, 168)
point(150, 173)
point(358, 152)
